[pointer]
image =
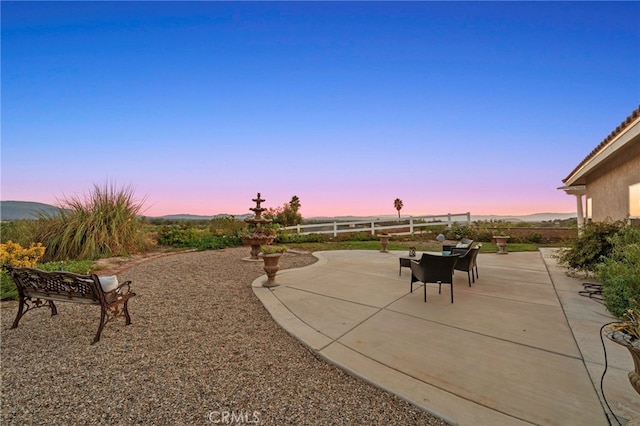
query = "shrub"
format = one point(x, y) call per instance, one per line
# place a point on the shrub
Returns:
point(535, 237)
point(227, 225)
point(620, 272)
point(13, 254)
point(290, 238)
point(22, 231)
point(186, 236)
point(8, 290)
point(457, 232)
point(356, 236)
point(591, 246)
point(104, 223)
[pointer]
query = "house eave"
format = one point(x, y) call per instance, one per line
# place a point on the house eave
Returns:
point(624, 134)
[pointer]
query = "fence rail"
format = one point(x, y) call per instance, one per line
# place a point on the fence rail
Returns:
point(404, 226)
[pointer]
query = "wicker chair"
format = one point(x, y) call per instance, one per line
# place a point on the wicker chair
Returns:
point(434, 269)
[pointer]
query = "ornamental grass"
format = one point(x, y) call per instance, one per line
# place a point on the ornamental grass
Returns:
point(103, 223)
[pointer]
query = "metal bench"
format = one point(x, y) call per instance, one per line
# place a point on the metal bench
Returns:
point(38, 288)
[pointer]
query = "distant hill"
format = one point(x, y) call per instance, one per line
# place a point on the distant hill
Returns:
point(536, 217)
point(14, 210)
point(198, 217)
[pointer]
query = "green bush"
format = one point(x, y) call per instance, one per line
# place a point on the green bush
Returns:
point(591, 246)
point(8, 289)
point(356, 236)
point(227, 225)
point(23, 231)
point(186, 236)
point(291, 238)
point(457, 232)
point(178, 236)
point(620, 272)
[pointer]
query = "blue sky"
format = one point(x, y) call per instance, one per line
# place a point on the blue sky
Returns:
point(451, 106)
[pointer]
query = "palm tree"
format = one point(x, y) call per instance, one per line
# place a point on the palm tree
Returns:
point(397, 203)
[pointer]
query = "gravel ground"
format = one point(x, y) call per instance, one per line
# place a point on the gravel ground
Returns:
point(201, 350)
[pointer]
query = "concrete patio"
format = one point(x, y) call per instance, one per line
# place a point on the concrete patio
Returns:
point(519, 347)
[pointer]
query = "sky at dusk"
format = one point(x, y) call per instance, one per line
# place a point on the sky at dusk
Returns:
point(480, 107)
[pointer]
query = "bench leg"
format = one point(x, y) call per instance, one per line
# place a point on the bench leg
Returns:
point(20, 312)
point(103, 316)
point(31, 304)
point(126, 312)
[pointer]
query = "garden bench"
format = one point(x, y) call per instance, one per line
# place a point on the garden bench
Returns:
point(38, 288)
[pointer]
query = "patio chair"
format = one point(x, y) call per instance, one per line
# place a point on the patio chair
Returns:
point(434, 269)
point(464, 244)
point(467, 262)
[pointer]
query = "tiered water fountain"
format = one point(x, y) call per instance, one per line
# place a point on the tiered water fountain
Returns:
point(258, 235)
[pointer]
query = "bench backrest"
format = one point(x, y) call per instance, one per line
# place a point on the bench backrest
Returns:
point(57, 285)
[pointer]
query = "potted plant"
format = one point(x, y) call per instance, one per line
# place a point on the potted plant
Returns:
point(271, 255)
point(627, 334)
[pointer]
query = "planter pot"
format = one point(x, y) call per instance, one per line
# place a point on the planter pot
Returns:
point(501, 242)
point(271, 267)
point(633, 346)
point(384, 242)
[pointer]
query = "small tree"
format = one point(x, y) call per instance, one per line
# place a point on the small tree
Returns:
point(397, 203)
point(287, 215)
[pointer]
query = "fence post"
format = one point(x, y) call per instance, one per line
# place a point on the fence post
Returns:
point(298, 229)
point(469, 218)
point(448, 220)
point(373, 225)
point(335, 229)
point(411, 225)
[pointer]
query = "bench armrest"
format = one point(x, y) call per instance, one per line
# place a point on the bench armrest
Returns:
point(123, 291)
point(121, 288)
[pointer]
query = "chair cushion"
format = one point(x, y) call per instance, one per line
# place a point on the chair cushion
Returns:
point(460, 245)
point(109, 283)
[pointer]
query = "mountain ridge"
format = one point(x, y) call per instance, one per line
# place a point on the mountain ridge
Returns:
point(14, 210)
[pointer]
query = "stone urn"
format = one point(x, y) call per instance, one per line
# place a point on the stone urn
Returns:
point(271, 267)
point(501, 242)
point(271, 256)
point(633, 346)
point(384, 242)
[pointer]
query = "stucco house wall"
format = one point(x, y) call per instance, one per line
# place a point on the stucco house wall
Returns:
point(608, 186)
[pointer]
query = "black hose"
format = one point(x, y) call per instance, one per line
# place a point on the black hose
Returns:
point(605, 372)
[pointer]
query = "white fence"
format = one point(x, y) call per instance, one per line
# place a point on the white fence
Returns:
point(404, 226)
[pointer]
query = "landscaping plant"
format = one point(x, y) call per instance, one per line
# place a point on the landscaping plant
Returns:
point(104, 223)
point(590, 247)
point(619, 272)
point(13, 254)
